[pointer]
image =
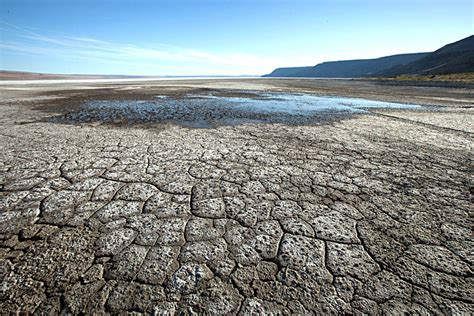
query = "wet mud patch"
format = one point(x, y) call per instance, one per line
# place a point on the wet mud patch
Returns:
point(211, 109)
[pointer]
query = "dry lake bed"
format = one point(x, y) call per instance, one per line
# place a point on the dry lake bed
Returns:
point(243, 196)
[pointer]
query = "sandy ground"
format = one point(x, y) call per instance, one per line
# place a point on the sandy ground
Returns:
point(366, 214)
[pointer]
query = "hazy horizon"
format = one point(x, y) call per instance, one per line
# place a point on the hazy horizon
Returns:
point(222, 38)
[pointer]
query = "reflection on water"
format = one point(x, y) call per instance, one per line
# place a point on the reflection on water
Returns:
point(304, 103)
point(211, 110)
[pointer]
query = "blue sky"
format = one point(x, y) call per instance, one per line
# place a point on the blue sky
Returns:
point(218, 37)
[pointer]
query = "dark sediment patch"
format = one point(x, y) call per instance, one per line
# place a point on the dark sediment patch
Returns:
point(204, 108)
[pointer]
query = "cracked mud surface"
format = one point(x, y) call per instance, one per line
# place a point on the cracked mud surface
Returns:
point(371, 214)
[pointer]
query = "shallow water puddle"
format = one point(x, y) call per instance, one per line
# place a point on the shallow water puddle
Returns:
point(212, 110)
point(306, 103)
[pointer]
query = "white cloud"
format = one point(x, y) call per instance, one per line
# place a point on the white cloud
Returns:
point(167, 60)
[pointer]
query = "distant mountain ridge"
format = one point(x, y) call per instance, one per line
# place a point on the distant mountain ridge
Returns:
point(288, 72)
point(25, 75)
point(347, 68)
point(452, 58)
point(457, 57)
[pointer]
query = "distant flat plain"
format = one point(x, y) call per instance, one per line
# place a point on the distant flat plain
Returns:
point(367, 213)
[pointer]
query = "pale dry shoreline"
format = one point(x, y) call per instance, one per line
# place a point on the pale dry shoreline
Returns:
point(369, 89)
point(364, 214)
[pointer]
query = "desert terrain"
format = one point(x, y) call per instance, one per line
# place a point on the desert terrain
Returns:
point(360, 213)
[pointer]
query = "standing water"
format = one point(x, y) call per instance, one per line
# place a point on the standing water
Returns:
point(212, 110)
